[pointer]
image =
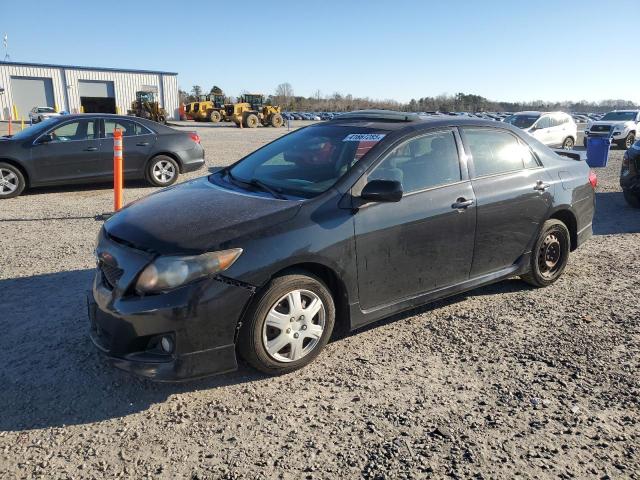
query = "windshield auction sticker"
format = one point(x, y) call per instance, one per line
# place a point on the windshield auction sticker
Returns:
point(364, 137)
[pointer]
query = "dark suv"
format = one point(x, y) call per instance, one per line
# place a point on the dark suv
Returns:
point(346, 221)
point(630, 175)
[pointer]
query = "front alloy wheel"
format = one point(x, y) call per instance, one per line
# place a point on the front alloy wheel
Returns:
point(11, 181)
point(288, 325)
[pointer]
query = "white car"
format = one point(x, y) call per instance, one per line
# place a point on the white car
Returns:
point(554, 129)
point(621, 125)
point(38, 114)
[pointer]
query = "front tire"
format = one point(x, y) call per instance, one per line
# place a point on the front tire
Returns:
point(277, 120)
point(12, 181)
point(162, 171)
point(251, 120)
point(628, 142)
point(633, 199)
point(549, 255)
point(568, 143)
point(288, 325)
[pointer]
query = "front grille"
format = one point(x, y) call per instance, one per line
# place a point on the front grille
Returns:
point(601, 128)
point(110, 274)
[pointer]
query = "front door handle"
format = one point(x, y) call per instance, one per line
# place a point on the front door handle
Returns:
point(91, 149)
point(541, 186)
point(461, 203)
point(142, 144)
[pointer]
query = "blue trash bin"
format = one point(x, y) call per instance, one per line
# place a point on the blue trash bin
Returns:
point(598, 151)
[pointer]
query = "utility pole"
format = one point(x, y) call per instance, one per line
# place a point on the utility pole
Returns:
point(5, 43)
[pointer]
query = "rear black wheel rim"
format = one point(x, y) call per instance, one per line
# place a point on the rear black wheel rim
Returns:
point(551, 255)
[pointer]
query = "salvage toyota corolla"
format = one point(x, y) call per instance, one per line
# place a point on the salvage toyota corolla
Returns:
point(343, 222)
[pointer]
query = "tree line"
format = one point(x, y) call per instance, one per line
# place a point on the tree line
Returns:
point(285, 97)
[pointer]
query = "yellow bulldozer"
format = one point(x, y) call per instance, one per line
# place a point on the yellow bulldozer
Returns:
point(207, 108)
point(147, 106)
point(251, 111)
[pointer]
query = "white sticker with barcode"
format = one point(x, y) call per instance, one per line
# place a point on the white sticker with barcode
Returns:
point(364, 137)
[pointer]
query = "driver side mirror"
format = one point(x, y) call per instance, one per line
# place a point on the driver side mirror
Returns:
point(46, 138)
point(382, 191)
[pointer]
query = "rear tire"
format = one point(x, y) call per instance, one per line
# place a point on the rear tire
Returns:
point(12, 181)
point(633, 199)
point(162, 171)
point(276, 350)
point(549, 255)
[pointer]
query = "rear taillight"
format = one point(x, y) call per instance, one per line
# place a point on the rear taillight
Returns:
point(195, 137)
point(593, 179)
point(625, 161)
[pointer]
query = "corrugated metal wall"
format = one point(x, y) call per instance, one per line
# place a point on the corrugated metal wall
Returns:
point(65, 87)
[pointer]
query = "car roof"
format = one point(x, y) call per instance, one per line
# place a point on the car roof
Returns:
point(395, 121)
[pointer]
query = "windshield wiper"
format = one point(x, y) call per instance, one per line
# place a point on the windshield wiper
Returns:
point(254, 182)
point(260, 184)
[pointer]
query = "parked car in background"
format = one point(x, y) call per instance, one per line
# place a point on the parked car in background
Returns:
point(329, 225)
point(38, 114)
point(555, 129)
point(630, 175)
point(621, 125)
point(72, 149)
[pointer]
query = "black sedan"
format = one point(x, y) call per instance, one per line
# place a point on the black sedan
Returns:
point(630, 175)
point(343, 222)
point(79, 149)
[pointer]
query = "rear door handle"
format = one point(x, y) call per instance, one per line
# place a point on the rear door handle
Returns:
point(91, 149)
point(541, 186)
point(142, 144)
point(462, 203)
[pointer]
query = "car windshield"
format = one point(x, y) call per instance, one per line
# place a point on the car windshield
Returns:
point(308, 161)
point(522, 121)
point(45, 110)
point(619, 116)
point(35, 129)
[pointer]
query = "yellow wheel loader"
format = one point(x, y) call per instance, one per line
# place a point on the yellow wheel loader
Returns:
point(147, 106)
point(251, 111)
point(209, 108)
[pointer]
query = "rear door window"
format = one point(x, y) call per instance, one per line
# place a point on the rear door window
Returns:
point(496, 151)
point(129, 128)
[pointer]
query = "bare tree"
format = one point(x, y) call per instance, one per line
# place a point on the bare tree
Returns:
point(284, 94)
point(196, 91)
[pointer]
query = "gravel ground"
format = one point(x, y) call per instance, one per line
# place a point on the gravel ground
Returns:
point(506, 381)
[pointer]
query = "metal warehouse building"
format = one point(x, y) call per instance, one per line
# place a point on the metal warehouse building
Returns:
point(80, 89)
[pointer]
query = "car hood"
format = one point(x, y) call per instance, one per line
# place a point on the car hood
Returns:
point(195, 217)
point(612, 122)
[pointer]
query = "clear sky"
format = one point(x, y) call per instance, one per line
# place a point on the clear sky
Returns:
point(503, 50)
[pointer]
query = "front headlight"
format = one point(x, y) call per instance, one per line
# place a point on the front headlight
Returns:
point(165, 273)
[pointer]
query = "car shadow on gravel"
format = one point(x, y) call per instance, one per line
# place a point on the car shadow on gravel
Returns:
point(85, 187)
point(614, 215)
point(52, 375)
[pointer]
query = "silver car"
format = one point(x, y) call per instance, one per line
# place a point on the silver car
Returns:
point(38, 114)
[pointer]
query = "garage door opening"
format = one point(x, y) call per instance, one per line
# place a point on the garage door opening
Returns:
point(97, 96)
point(98, 105)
